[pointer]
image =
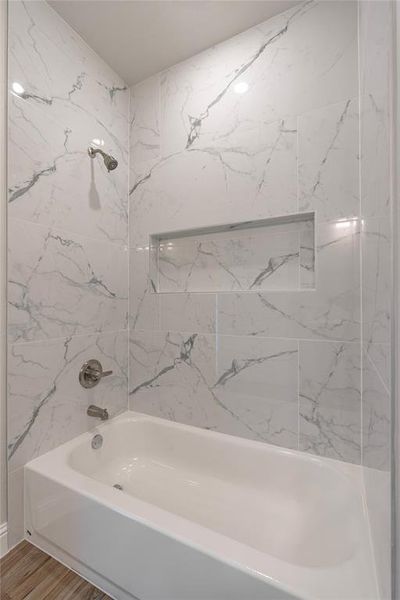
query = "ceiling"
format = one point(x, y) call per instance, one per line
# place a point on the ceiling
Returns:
point(138, 38)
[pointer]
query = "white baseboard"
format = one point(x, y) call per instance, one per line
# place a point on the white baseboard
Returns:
point(3, 539)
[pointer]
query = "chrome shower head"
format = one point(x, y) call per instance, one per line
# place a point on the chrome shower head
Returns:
point(110, 162)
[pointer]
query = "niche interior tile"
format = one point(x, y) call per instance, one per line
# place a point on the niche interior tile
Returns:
point(257, 386)
point(330, 400)
point(62, 284)
point(264, 258)
point(328, 160)
point(46, 404)
point(307, 255)
point(376, 434)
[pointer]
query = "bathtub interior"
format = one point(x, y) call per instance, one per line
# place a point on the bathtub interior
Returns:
point(301, 510)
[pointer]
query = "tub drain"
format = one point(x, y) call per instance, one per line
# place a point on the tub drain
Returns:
point(117, 486)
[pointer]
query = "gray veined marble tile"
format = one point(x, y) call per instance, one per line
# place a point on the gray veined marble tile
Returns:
point(188, 312)
point(376, 429)
point(375, 153)
point(143, 301)
point(61, 284)
point(46, 404)
point(171, 376)
point(376, 292)
point(307, 276)
point(70, 98)
point(257, 385)
point(59, 72)
point(53, 181)
point(258, 165)
point(376, 46)
point(328, 161)
point(303, 58)
point(245, 387)
point(330, 399)
point(331, 311)
point(258, 259)
point(144, 139)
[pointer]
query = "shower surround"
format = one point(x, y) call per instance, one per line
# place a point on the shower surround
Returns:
point(261, 126)
point(67, 238)
point(254, 333)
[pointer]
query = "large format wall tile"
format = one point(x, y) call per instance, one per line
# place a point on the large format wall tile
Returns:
point(188, 312)
point(70, 98)
point(328, 161)
point(263, 125)
point(297, 61)
point(46, 404)
point(62, 284)
point(144, 119)
point(171, 375)
point(257, 385)
point(143, 302)
point(58, 70)
point(244, 175)
point(377, 297)
point(248, 389)
point(330, 399)
point(376, 67)
point(67, 237)
point(331, 311)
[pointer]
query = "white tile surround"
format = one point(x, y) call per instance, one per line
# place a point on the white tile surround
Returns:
point(280, 363)
point(67, 238)
point(275, 362)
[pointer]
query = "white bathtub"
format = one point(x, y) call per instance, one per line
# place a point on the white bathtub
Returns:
point(202, 516)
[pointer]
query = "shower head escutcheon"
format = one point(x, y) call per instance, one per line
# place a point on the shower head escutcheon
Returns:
point(110, 162)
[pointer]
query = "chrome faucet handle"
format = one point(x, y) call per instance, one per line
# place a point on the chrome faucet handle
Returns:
point(91, 373)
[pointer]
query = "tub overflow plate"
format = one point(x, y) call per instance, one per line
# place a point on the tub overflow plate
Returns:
point(97, 441)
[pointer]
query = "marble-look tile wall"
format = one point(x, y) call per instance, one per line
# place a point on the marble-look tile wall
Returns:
point(376, 89)
point(263, 125)
point(67, 237)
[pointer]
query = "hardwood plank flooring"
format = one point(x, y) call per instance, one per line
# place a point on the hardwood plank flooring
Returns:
point(27, 573)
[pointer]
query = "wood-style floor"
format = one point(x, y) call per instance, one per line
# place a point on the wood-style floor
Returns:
point(27, 573)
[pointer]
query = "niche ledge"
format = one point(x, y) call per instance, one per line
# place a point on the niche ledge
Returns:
point(268, 254)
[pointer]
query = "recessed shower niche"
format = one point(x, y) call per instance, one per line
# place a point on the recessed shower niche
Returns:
point(267, 254)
